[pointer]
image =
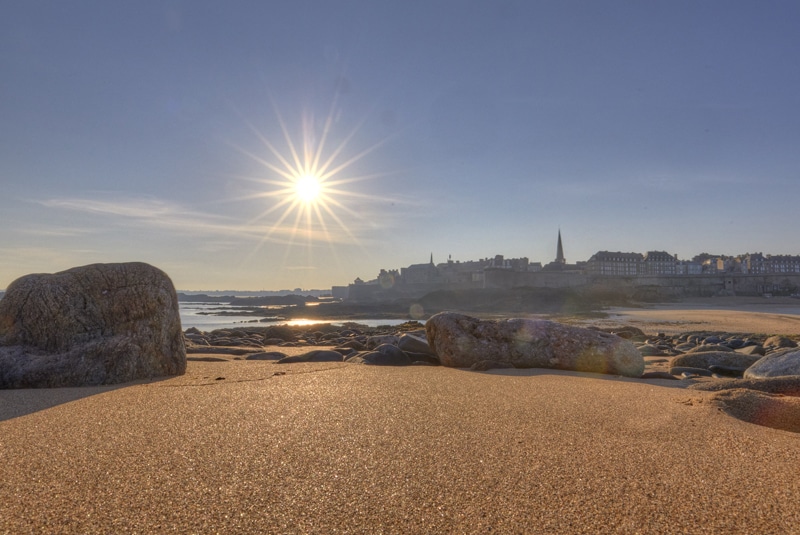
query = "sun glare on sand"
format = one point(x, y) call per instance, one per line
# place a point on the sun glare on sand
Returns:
point(306, 185)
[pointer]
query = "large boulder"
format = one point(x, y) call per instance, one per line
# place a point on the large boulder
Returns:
point(90, 325)
point(461, 341)
point(777, 364)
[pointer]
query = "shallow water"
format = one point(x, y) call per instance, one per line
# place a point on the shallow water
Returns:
point(192, 316)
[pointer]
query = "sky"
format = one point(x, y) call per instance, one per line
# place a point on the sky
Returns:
point(176, 132)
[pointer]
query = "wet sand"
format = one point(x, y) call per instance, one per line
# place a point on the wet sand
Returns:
point(725, 314)
point(239, 446)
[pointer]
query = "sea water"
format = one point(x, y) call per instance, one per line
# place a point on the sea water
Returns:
point(203, 317)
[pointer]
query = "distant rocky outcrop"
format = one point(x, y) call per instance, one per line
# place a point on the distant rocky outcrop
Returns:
point(461, 341)
point(90, 325)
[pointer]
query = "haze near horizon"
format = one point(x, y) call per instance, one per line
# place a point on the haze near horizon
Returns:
point(253, 145)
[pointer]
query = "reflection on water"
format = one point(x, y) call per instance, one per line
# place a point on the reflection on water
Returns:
point(197, 315)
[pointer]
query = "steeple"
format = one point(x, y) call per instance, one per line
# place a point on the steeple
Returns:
point(560, 251)
point(432, 259)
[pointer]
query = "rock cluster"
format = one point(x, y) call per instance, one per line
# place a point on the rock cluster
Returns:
point(390, 346)
point(687, 355)
point(90, 325)
point(722, 355)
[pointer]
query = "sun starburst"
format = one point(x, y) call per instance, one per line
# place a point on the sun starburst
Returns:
point(308, 185)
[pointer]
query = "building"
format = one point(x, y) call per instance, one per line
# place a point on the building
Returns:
point(615, 263)
point(659, 263)
point(782, 264)
point(420, 273)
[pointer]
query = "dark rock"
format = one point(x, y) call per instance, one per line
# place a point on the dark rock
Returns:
point(90, 325)
point(727, 371)
point(413, 344)
point(423, 357)
point(317, 355)
point(283, 332)
point(354, 344)
point(266, 355)
point(777, 364)
point(381, 359)
point(375, 341)
point(714, 358)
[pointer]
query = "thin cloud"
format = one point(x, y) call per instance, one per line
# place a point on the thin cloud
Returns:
point(167, 216)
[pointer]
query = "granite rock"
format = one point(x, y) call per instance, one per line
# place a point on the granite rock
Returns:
point(461, 341)
point(778, 364)
point(90, 325)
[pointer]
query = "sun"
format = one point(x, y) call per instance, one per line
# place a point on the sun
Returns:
point(308, 189)
point(308, 185)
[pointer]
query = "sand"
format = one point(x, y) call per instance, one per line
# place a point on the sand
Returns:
point(728, 314)
point(240, 446)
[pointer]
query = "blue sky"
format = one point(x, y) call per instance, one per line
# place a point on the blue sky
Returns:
point(161, 131)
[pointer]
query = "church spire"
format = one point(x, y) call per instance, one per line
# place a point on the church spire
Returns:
point(560, 251)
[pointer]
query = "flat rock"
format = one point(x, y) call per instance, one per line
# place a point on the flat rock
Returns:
point(90, 325)
point(460, 341)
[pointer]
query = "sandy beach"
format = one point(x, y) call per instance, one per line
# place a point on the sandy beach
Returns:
point(726, 314)
point(239, 446)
